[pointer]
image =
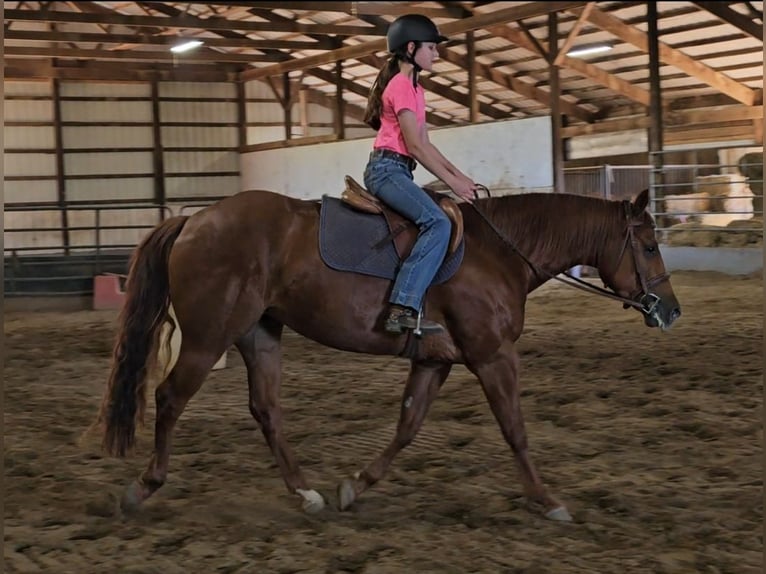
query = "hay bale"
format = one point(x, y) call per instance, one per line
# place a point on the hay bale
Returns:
point(693, 235)
point(749, 233)
point(754, 223)
point(730, 198)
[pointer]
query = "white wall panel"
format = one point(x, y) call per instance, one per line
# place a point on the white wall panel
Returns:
point(193, 136)
point(201, 186)
point(265, 112)
point(134, 188)
point(197, 90)
point(600, 145)
point(317, 113)
point(42, 88)
point(31, 219)
point(17, 164)
point(108, 163)
point(31, 191)
point(258, 89)
point(146, 218)
point(29, 137)
point(203, 161)
point(261, 134)
point(106, 107)
point(105, 89)
point(365, 132)
point(28, 110)
point(99, 111)
point(198, 112)
point(509, 157)
point(100, 137)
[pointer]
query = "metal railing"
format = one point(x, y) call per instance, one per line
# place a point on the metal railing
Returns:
point(694, 204)
point(64, 267)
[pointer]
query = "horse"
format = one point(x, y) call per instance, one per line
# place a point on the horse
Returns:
point(240, 270)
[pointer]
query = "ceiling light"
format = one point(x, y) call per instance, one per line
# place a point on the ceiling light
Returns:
point(585, 50)
point(186, 46)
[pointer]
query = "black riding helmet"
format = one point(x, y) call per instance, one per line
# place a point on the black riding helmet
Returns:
point(411, 28)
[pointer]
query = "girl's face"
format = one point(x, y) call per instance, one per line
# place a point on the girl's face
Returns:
point(426, 55)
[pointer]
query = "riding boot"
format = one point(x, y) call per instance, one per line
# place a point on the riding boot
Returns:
point(402, 318)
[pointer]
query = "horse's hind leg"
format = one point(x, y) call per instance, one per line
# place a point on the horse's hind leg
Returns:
point(499, 380)
point(171, 396)
point(261, 351)
point(422, 386)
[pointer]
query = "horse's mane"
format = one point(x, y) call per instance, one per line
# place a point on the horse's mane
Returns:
point(541, 224)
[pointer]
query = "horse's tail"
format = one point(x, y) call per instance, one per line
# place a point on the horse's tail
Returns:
point(147, 298)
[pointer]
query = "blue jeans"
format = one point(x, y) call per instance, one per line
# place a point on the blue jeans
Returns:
point(391, 181)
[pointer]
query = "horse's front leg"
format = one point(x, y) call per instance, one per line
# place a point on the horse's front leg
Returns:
point(422, 386)
point(500, 381)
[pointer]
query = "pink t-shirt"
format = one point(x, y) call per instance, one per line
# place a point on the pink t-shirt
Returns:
point(399, 95)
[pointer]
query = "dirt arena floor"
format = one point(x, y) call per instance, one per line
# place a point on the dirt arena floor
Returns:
point(652, 439)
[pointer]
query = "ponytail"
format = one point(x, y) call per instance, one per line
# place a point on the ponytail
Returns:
point(375, 99)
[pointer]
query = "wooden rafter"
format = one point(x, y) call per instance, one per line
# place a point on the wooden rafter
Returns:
point(143, 38)
point(150, 55)
point(670, 118)
point(526, 89)
point(572, 36)
point(673, 57)
point(473, 23)
point(353, 8)
point(614, 83)
point(722, 11)
point(24, 69)
point(189, 22)
point(225, 53)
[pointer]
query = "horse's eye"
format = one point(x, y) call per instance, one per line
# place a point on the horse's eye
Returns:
point(651, 249)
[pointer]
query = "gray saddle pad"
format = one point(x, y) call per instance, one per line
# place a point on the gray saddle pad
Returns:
point(350, 240)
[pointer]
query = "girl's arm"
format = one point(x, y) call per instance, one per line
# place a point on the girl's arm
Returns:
point(421, 148)
point(427, 141)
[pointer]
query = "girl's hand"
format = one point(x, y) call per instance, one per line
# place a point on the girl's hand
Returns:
point(464, 188)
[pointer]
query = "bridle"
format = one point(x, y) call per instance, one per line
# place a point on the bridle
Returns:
point(642, 299)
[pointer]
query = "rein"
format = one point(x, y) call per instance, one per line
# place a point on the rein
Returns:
point(646, 304)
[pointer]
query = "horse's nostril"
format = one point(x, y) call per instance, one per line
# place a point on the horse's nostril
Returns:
point(675, 313)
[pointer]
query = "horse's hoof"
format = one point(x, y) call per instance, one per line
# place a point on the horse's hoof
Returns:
point(560, 514)
point(313, 502)
point(346, 494)
point(132, 498)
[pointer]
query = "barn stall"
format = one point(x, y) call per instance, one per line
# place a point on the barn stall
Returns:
point(650, 438)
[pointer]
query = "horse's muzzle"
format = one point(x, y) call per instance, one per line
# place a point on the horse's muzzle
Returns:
point(657, 313)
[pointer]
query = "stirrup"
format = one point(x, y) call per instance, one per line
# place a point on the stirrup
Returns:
point(407, 319)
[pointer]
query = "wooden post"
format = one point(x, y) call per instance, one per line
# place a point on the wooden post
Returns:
point(60, 177)
point(473, 102)
point(158, 161)
point(287, 105)
point(555, 96)
point(340, 107)
point(655, 135)
point(304, 106)
point(241, 114)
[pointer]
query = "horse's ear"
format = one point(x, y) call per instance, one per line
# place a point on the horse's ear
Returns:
point(640, 203)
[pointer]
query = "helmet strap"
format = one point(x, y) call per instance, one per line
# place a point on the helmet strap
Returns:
point(416, 69)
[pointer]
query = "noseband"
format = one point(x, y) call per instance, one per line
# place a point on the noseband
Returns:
point(642, 299)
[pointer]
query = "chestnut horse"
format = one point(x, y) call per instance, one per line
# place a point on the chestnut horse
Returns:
point(240, 270)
